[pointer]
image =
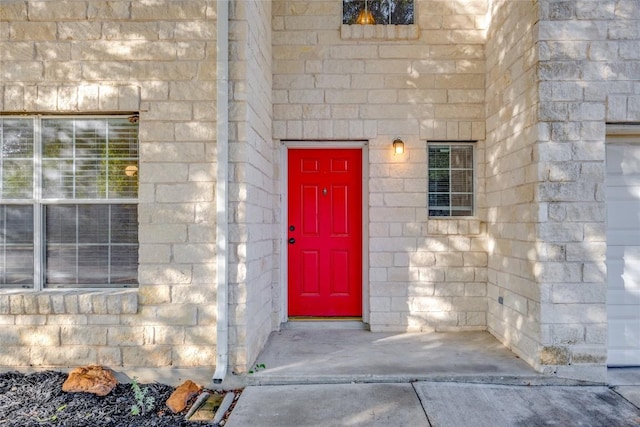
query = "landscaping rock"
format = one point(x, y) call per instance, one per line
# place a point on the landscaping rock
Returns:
point(177, 402)
point(90, 379)
point(37, 400)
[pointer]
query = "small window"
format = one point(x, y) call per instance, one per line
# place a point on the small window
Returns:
point(68, 202)
point(384, 12)
point(450, 179)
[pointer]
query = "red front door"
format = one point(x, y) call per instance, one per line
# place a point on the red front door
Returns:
point(325, 232)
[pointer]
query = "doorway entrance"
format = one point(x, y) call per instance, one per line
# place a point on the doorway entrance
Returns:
point(324, 232)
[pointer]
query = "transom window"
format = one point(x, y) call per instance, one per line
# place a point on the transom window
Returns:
point(68, 202)
point(385, 12)
point(450, 179)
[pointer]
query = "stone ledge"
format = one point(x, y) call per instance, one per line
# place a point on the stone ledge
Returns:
point(379, 32)
point(70, 302)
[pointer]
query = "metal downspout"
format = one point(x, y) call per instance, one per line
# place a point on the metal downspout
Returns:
point(222, 225)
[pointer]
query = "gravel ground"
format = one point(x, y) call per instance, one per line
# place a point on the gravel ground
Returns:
point(38, 400)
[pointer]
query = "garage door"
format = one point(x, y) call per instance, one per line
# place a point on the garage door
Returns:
point(623, 251)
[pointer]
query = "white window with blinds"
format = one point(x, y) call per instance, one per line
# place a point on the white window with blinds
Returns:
point(68, 202)
point(451, 179)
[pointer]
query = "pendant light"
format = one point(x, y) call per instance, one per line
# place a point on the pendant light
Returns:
point(365, 17)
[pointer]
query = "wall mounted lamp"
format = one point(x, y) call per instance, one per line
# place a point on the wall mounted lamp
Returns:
point(365, 17)
point(398, 146)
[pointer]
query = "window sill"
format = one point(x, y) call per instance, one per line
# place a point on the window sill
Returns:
point(379, 32)
point(77, 301)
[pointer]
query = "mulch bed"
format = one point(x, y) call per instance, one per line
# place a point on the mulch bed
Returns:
point(38, 400)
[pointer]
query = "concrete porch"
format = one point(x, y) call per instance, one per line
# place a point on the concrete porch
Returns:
point(307, 356)
point(356, 377)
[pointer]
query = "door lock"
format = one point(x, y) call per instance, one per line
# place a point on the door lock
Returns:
point(292, 241)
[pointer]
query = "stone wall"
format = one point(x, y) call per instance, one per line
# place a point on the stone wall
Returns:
point(589, 75)
point(424, 82)
point(540, 78)
point(511, 169)
point(253, 201)
point(557, 73)
point(158, 59)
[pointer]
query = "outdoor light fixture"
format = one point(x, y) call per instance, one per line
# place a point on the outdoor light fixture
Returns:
point(365, 17)
point(398, 146)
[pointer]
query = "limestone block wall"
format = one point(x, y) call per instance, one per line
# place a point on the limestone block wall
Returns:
point(511, 177)
point(253, 173)
point(589, 75)
point(156, 58)
point(423, 82)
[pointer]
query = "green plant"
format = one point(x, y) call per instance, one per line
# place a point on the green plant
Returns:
point(258, 367)
point(143, 403)
point(54, 417)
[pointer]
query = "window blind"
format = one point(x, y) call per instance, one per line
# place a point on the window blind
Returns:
point(450, 171)
point(79, 174)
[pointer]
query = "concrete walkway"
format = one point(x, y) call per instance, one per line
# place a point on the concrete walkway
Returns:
point(438, 404)
point(333, 356)
point(328, 405)
point(359, 378)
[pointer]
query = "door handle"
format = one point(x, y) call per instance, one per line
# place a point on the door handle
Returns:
point(292, 241)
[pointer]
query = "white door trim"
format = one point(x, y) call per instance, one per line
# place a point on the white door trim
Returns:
point(284, 183)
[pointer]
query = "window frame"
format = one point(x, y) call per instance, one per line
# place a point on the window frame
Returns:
point(39, 203)
point(473, 192)
point(413, 16)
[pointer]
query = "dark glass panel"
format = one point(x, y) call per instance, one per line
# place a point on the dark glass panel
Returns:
point(124, 224)
point(16, 246)
point(124, 265)
point(395, 12)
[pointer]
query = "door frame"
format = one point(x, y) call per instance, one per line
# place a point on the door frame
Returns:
point(363, 145)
